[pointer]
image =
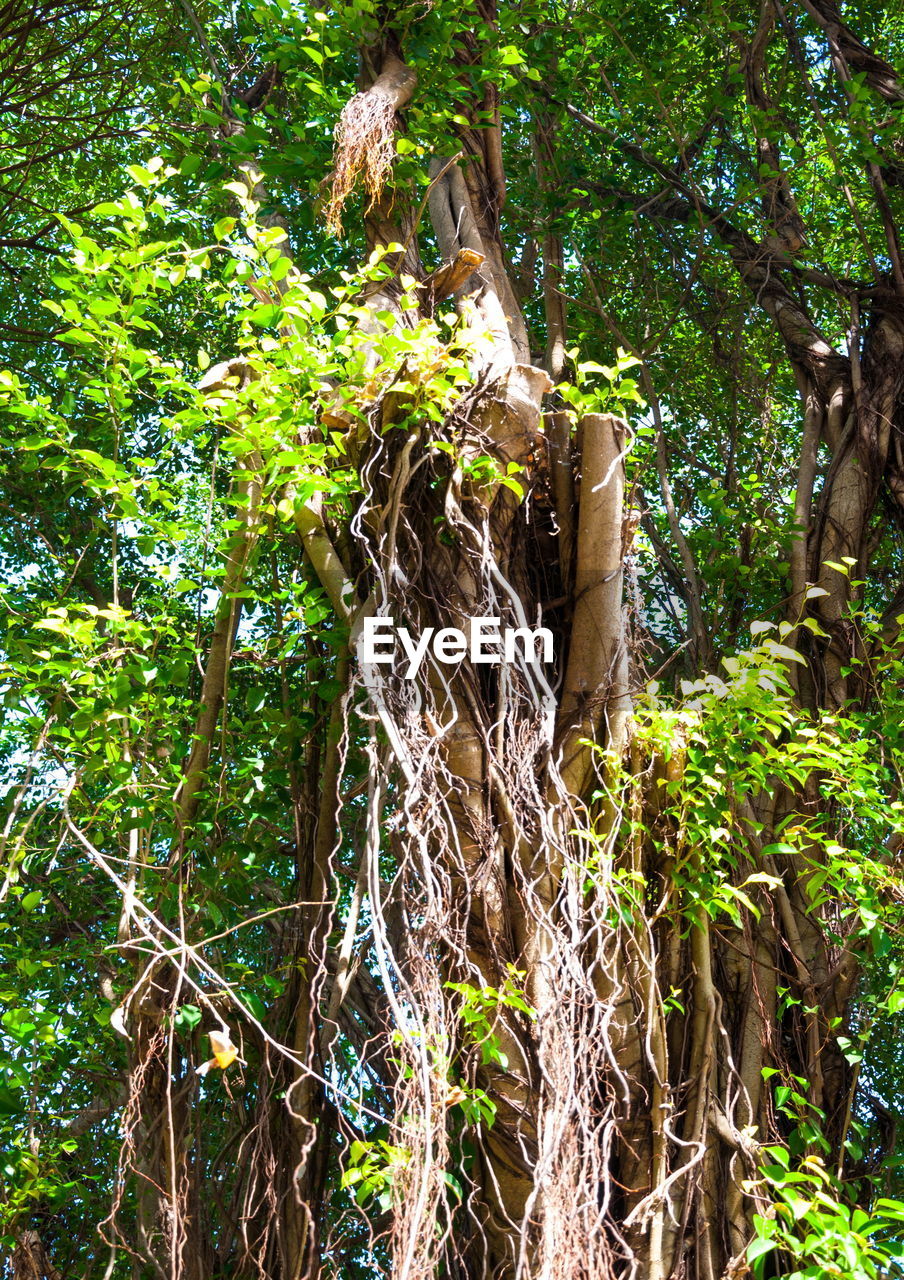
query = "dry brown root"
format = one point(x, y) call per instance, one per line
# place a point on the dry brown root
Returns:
point(365, 139)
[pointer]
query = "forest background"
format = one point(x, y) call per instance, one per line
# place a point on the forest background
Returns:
point(566, 314)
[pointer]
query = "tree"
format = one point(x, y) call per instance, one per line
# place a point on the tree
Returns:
point(76, 80)
point(564, 965)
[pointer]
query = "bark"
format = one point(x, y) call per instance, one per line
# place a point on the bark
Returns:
point(506, 879)
point(681, 1096)
point(233, 375)
point(30, 1260)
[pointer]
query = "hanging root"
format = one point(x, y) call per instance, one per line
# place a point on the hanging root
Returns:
point(364, 142)
point(469, 809)
point(365, 148)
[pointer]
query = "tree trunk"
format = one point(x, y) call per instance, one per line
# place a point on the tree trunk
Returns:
point(577, 1041)
point(627, 1115)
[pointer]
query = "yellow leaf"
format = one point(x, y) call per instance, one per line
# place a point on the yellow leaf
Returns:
point(223, 1049)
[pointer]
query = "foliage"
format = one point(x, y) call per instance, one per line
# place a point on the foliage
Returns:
point(213, 388)
point(813, 1225)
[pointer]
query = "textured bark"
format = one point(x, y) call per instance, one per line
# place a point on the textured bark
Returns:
point(684, 1092)
point(233, 375)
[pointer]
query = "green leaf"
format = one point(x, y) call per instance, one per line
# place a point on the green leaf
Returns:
point(188, 1017)
point(138, 173)
point(759, 1247)
point(256, 1005)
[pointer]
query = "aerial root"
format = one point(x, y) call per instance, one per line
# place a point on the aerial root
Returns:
point(364, 148)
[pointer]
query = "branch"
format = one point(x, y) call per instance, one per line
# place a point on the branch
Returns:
point(450, 277)
point(325, 558)
point(229, 610)
point(98, 1109)
point(594, 688)
point(879, 74)
point(758, 266)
